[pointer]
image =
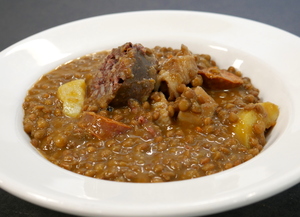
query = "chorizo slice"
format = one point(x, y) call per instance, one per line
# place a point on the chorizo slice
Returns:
point(219, 79)
point(100, 126)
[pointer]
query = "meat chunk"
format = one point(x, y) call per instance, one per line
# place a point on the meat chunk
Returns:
point(202, 106)
point(179, 69)
point(161, 107)
point(129, 71)
point(219, 79)
point(101, 127)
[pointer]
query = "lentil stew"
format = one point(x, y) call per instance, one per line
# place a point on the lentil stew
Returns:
point(135, 114)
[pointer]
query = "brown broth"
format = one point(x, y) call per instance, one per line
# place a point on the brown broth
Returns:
point(146, 153)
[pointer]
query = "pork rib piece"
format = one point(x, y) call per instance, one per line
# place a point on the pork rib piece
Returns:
point(129, 71)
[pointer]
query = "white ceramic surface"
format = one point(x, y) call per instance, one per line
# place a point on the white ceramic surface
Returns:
point(267, 55)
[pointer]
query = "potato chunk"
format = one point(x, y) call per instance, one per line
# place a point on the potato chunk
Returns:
point(244, 129)
point(272, 112)
point(72, 95)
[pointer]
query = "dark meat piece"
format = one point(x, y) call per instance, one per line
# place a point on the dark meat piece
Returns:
point(219, 79)
point(129, 71)
point(101, 127)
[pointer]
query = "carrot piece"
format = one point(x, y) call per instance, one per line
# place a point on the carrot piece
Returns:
point(199, 129)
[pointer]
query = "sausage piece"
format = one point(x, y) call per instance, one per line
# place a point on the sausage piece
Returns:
point(101, 127)
point(219, 79)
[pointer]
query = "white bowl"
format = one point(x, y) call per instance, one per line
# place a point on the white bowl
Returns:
point(267, 55)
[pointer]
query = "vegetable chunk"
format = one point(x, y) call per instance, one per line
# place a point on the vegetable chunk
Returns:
point(272, 111)
point(72, 95)
point(255, 122)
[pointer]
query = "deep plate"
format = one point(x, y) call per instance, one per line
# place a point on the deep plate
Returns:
point(265, 54)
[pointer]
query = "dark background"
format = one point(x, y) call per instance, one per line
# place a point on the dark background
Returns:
point(22, 18)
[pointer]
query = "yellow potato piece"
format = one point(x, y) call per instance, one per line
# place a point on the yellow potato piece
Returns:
point(243, 129)
point(272, 111)
point(72, 95)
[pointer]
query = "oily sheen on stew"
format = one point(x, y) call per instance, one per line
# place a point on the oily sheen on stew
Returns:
point(137, 114)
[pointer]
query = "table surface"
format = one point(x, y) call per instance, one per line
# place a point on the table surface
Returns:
point(20, 19)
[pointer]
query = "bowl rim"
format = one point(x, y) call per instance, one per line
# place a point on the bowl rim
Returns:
point(64, 199)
